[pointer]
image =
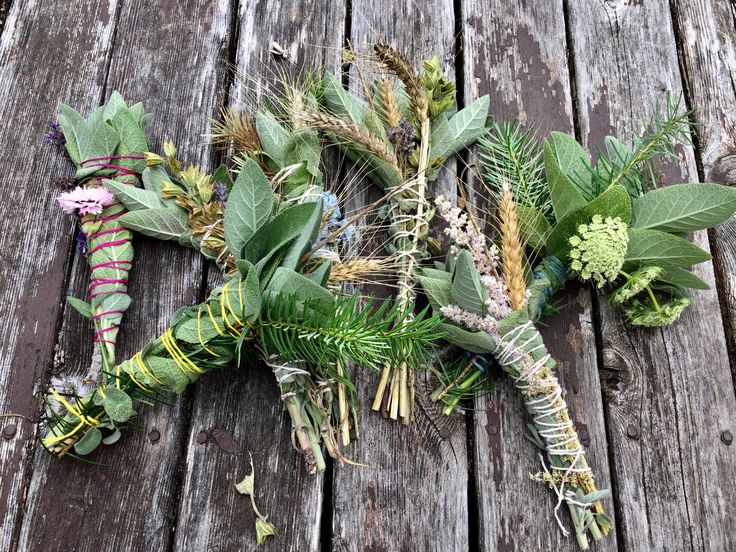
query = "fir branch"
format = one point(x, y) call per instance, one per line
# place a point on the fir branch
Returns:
point(510, 156)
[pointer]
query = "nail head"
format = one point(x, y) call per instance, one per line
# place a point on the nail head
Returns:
point(632, 431)
point(154, 435)
point(9, 431)
point(727, 437)
point(202, 437)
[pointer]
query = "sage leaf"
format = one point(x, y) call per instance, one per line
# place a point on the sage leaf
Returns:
point(89, 442)
point(113, 438)
point(564, 157)
point(82, 307)
point(117, 404)
point(437, 289)
point(459, 131)
point(684, 208)
point(289, 283)
point(162, 224)
point(274, 138)
point(133, 198)
point(341, 102)
point(132, 140)
point(467, 291)
point(248, 206)
point(654, 247)
point(475, 342)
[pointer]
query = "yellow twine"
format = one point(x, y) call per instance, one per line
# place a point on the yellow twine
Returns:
point(199, 333)
point(144, 369)
point(83, 420)
point(182, 361)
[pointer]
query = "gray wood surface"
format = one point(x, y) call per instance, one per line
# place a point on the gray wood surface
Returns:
point(658, 405)
point(671, 394)
point(34, 254)
point(517, 54)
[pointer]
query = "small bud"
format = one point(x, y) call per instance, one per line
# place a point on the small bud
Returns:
point(169, 149)
point(264, 529)
point(153, 159)
point(169, 190)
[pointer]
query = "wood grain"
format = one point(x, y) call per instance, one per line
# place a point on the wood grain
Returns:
point(669, 392)
point(129, 505)
point(35, 242)
point(516, 53)
point(708, 57)
point(242, 405)
point(414, 496)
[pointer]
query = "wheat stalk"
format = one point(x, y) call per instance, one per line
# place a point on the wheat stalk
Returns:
point(390, 104)
point(404, 70)
point(350, 131)
point(358, 269)
point(236, 129)
point(512, 249)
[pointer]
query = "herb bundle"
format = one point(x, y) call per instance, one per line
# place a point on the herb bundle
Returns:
point(401, 134)
point(107, 150)
point(275, 307)
point(482, 293)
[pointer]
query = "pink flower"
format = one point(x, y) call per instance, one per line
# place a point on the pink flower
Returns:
point(89, 200)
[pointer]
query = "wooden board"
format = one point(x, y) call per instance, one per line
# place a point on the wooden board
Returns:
point(669, 393)
point(414, 496)
point(239, 411)
point(708, 58)
point(36, 237)
point(517, 55)
point(130, 504)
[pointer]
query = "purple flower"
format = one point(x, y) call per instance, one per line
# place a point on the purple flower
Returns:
point(82, 241)
point(221, 192)
point(402, 137)
point(55, 135)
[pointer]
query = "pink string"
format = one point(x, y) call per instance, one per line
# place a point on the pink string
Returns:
point(112, 264)
point(103, 232)
point(118, 168)
point(106, 281)
point(109, 244)
point(106, 313)
point(113, 157)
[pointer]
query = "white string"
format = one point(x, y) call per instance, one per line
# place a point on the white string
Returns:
point(557, 435)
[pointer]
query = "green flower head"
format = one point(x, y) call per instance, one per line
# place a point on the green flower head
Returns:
point(643, 312)
point(636, 283)
point(598, 249)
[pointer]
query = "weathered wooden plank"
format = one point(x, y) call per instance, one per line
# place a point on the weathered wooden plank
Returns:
point(707, 33)
point(243, 405)
point(415, 495)
point(669, 393)
point(516, 53)
point(34, 248)
point(130, 505)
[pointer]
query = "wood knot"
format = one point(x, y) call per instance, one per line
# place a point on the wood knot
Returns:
point(724, 169)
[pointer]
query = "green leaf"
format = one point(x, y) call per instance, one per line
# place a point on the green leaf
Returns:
point(475, 342)
point(71, 122)
point(113, 438)
point(653, 247)
point(685, 278)
point(117, 404)
point(289, 283)
point(132, 140)
point(280, 231)
point(248, 206)
point(534, 226)
point(564, 159)
point(82, 307)
point(305, 239)
point(684, 208)
point(133, 198)
point(461, 130)
point(321, 274)
point(437, 289)
point(162, 224)
point(274, 138)
point(614, 202)
point(341, 102)
point(167, 370)
point(114, 104)
point(89, 441)
point(96, 139)
point(467, 291)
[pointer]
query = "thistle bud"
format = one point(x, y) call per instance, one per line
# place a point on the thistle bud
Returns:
point(153, 159)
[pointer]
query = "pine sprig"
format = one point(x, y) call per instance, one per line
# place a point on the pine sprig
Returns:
point(343, 333)
point(513, 157)
point(666, 130)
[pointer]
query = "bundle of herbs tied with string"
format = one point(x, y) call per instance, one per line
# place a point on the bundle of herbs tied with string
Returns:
point(399, 135)
point(107, 150)
point(273, 240)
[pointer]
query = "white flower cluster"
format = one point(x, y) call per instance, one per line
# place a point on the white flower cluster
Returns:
point(464, 235)
point(472, 321)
